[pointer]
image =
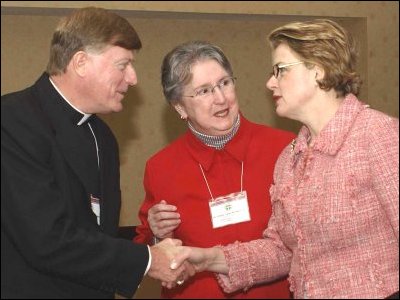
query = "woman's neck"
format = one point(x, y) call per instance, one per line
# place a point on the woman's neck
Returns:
point(216, 141)
point(320, 114)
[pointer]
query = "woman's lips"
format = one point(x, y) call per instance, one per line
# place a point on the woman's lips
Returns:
point(276, 98)
point(222, 113)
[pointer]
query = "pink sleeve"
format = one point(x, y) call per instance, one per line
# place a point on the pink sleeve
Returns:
point(254, 262)
point(384, 166)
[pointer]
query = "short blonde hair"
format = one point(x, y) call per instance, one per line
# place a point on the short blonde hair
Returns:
point(326, 44)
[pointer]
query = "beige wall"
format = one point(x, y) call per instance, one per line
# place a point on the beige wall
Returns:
point(147, 123)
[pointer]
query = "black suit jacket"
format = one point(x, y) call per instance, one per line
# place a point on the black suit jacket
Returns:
point(51, 245)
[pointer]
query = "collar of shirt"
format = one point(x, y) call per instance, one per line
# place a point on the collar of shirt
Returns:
point(217, 142)
point(236, 147)
point(84, 116)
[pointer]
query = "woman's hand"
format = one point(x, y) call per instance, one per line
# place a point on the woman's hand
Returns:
point(163, 219)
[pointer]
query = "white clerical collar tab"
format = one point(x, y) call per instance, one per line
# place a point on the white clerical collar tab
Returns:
point(84, 118)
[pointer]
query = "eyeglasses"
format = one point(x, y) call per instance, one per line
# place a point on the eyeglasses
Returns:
point(225, 85)
point(276, 69)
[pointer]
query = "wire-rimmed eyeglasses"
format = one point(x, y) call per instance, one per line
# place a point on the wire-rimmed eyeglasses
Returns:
point(225, 85)
point(277, 68)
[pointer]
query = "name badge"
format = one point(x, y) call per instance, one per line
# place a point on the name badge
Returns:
point(229, 209)
point(95, 204)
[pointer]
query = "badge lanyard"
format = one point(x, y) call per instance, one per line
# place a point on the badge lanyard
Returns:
point(228, 209)
point(205, 179)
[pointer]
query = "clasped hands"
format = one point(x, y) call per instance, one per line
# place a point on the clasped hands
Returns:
point(173, 263)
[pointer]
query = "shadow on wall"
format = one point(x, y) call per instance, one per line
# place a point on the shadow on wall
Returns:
point(287, 124)
point(123, 123)
point(173, 125)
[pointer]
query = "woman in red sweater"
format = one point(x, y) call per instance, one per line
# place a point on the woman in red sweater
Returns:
point(210, 186)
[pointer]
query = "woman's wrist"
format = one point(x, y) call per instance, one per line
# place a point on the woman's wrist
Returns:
point(216, 260)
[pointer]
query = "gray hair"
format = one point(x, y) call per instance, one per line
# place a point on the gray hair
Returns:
point(176, 69)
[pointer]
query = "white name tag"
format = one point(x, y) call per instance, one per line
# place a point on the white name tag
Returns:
point(229, 209)
point(95, 204)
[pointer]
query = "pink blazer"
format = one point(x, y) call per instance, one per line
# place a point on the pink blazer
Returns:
point(335, 222)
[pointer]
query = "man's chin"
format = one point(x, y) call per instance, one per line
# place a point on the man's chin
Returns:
point(117, 107)
point(110, 110)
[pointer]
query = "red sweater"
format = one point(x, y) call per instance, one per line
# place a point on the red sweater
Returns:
point(174, 175)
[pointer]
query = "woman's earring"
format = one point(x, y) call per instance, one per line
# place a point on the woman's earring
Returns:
point(183, 118)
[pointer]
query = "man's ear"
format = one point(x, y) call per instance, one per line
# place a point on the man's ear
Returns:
point(79, 63)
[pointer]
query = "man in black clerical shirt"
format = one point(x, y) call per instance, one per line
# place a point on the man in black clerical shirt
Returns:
point(60, 190)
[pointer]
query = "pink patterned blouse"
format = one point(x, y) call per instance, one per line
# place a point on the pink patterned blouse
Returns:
point(335, 222)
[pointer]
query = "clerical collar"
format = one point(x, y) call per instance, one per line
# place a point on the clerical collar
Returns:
point(218, 141)
point(85, 116)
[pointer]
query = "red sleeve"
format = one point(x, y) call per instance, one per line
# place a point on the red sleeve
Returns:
point(144, 234)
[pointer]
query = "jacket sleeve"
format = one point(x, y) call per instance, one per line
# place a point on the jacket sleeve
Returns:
point(383, 141)
point(255, 262)
point(261, 260)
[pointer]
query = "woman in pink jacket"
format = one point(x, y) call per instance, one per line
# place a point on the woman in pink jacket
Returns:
point(210, 186)
point(335, 223)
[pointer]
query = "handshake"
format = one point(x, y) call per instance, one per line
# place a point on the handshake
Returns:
point(173, 263)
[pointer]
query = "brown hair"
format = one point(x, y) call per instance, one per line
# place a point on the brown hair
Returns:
point(326, 44)
point(89, 29)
